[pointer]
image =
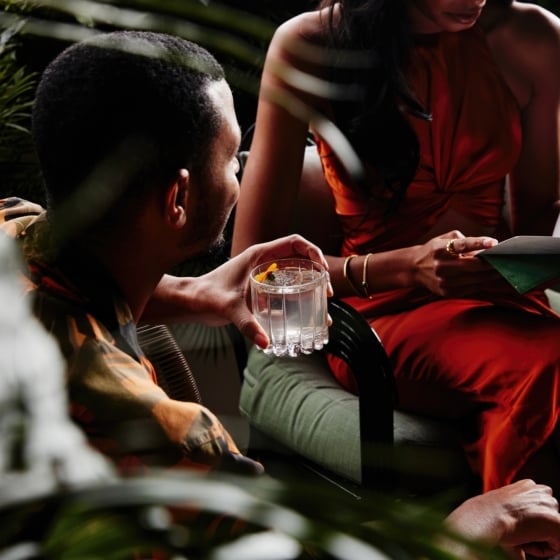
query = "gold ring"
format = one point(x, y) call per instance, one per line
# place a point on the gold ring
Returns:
point(450, 248)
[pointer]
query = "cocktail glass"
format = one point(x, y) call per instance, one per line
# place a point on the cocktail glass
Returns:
point(289, 300)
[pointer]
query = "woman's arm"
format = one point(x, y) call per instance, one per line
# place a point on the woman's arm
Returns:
point(526, 45)
point(271, 177)
point(430, 265)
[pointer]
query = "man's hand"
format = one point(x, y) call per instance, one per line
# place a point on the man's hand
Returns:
point(522, 516)
point(231, 280)
point(223, 296)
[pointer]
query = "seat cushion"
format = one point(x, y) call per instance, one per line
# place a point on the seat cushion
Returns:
point(298, 403)
point(294, 402)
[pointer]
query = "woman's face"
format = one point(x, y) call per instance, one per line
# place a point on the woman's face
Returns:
point(433, 16)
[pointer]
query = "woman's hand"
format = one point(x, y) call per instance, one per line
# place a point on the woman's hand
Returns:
point(448, 266)
point(222, 295)
point(522, 516)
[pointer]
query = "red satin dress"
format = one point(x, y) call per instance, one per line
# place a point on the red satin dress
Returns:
point(495, 361)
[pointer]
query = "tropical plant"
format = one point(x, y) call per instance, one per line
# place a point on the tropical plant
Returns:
point(18, 166)
point(138, 517)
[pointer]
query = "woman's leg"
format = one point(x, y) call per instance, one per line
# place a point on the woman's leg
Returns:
point(499, 367)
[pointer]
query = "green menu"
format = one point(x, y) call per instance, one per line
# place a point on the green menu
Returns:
point(526, 261)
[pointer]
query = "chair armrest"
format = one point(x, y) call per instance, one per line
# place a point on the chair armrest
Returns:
point(352, 339)
point(173, 371)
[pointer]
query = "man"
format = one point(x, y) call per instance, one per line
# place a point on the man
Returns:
point(137, 139)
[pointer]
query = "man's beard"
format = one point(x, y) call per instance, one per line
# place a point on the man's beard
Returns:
point(211, 248)
point(206, 259)
point(216, 248)
point(212, 252)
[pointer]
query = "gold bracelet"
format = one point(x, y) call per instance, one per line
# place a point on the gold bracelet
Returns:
point(346, 274)
point(365, 286)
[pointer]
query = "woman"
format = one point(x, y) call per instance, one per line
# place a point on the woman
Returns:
point(455, 95)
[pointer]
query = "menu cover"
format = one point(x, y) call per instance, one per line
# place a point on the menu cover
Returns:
point(526, 261)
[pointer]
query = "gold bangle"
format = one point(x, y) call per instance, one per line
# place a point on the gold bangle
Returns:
point(365, 286)
point(346, 274)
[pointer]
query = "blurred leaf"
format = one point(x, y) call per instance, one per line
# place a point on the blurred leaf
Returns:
point(111, 520)
point(79, 533)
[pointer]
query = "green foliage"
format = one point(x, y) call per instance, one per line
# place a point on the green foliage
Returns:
point(18, 166)
point(15, 101)
point(119, 518)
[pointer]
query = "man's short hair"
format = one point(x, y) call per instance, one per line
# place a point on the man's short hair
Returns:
point(122, 112)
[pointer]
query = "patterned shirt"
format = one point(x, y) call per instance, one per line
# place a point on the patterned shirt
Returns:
point(113, 388)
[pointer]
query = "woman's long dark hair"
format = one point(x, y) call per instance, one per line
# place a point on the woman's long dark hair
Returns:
point(376, 124)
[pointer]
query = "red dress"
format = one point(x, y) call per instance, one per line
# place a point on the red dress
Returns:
point(498, 360)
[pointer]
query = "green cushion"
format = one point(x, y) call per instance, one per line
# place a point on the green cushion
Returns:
point(294, 402)
point(298, 403)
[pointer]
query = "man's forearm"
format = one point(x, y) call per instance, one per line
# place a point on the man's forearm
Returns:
point(172, 301)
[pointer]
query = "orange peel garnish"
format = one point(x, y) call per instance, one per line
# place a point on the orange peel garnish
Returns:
point(261, 277)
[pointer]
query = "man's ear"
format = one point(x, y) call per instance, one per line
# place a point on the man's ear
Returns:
point(176, 200)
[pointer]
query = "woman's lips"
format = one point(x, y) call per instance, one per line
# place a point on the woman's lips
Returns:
point(466, 18)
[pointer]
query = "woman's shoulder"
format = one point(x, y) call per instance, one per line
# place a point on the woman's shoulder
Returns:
point(312, 26)
point(525, 41)
point(299, 41)
point(524, 24)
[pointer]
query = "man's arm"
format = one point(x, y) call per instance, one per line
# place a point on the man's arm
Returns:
point(520, 517)
point(222, 295)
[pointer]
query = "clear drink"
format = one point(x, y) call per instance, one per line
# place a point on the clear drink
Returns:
point(289, 299)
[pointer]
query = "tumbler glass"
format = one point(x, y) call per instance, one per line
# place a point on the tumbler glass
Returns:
point(289, 300)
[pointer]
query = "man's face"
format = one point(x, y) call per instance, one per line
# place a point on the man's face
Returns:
point(214, 187)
